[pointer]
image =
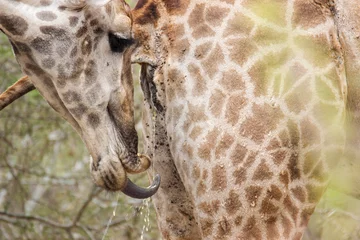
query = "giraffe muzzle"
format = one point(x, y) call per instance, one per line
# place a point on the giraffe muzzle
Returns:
point(109, 173)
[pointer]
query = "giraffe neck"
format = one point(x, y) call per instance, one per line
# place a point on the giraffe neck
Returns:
point(250, 151)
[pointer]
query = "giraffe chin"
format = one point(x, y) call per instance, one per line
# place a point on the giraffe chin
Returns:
point(110, 174)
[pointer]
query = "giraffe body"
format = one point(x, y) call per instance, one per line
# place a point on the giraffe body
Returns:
point(248, 116)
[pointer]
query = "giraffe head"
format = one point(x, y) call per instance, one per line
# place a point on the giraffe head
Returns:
point(77, 54)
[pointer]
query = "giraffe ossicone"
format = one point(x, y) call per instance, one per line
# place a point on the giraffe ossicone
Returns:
point(77, 55)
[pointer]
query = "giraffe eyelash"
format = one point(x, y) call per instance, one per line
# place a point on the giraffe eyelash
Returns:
point(119, 44)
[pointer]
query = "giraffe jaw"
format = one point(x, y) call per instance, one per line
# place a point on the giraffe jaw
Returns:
point(109, 173)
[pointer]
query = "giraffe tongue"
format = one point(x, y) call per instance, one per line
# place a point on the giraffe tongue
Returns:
point(134, 191)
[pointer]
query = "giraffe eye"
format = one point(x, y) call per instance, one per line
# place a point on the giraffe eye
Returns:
point(118, 44)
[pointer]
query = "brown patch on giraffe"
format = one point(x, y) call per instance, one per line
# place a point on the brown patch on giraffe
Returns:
point(234, 106)
point(293, 167)
point(73, 52)
point(78, 111)
point(148, 15)
point(284, 178)
point(272, 231)
point(238, 221)
point(233, 203)
point(232, 81)
point(92, 95)
point(210, 208)
point(196, 113)
point(219, 180)
point(205, 174)
point(176, 7)
point(264, 119)
point(202, 50)
point(212, 62)
point(178, 88)
point(224, 144)
point(267, 207)
point(174, 31)
point(206, 226)
point(241, 50)
point(55, 32)
point(201, 189)
point(78, 68)
point(250, 159)
point(240, 175)
point(200, 83)
point(15, 25)
point(287, 226)
point(292, 209)
point(279, 156)
point(307, 14)
point(91, 73)
point(274, 193)
point(262, 172)
point(215, 15)
point(46, 16)
point(188, 150)
point(94, 23)
point(299, 194)
point(180, 49)
point(48, 63)
point(94, 120)
point(81, 31)
point(251, 231)
point(314, 193)
point(196, 172)
point(224, 228)
point(71, 96)
point(35, 69)
point(205, 149)
point(73, 21)
point(195, 132)
point(285, 139)
point(310, 134)
point(252, 194)
point(266, 36)
point(203, 31)
point(239, 25)
point(196, 17)
point(274, 144)
point(216, 102)
point(238, 155)
point(21, 48)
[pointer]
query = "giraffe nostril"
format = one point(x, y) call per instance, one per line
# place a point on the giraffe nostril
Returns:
point(98, 161)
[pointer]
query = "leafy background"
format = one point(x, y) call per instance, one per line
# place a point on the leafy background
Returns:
point(46, 191)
